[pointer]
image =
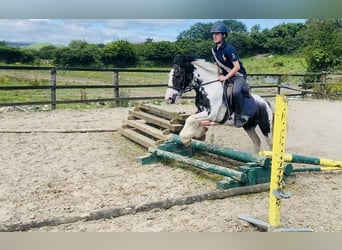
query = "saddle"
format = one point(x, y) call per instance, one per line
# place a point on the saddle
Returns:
point(249, 106)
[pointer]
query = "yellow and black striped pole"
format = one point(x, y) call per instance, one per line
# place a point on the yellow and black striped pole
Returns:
point(278, 153)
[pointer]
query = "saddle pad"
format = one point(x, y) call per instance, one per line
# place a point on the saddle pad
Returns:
point(249, 106)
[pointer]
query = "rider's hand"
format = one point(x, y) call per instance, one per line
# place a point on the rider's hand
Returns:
point(222, 78)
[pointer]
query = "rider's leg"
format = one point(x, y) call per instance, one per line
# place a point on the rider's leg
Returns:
point(239, 85)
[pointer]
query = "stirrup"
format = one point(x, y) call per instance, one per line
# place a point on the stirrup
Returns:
point(240, 121)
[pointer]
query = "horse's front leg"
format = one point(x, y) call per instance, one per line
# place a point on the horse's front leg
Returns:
point(193, 128)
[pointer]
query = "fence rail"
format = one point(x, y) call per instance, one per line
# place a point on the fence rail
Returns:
point(276, 79)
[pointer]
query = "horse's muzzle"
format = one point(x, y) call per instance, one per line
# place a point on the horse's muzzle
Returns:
point(172, 99)
point(168, 100)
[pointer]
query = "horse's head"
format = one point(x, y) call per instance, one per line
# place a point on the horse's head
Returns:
point(181, 78)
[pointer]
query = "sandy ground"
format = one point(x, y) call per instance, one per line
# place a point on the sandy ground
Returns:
point(45, 174)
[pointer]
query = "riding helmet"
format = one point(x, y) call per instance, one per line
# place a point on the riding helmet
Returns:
point(219, 27)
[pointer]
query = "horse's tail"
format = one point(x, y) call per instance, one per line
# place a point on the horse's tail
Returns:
point(265, 117)
point(270, 112)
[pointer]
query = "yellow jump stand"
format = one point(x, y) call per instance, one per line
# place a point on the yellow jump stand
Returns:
point(276, 185)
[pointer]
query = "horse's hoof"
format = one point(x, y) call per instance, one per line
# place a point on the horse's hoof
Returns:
point(202, 138)
point(187, 143)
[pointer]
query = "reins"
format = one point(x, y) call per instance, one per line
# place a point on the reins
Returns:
point(206, 83)
point(189, 88)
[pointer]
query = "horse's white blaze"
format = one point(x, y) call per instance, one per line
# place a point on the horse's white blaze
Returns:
point(170, 92)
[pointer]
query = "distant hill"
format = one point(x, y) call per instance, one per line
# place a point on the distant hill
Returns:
point(18, 44)
point(30, 45)
point(38, 46)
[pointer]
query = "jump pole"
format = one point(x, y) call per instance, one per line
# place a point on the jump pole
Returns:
point(314, 168)
point(277, 171)
point(236, 175)
point(225, 151)
point(296, 158)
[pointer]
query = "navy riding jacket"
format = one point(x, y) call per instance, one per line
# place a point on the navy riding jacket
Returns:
point(227, 54)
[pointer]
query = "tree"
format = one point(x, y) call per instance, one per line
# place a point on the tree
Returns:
point(242, 42)
point(235, 26)
point(161, 53)
point(201, 31)
point(322, 44)
point(283, 39)
point(77, 44)
point(47, 52)
point(119, 53)
point(198, 31)
point(29, 56)
point(78, 54)
point(258, 40)
point(196, 47)
point(9, 54)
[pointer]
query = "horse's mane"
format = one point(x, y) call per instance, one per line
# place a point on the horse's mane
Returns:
point(205, 65)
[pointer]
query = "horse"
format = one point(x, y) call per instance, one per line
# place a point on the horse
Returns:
point(199, 75)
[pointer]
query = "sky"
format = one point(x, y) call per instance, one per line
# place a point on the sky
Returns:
point(62, 31)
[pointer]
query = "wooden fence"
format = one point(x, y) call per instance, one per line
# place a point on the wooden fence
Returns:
point(268, 81)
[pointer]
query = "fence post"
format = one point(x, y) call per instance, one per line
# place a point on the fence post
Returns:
point(116, 88)
point(322, 85)
point(279, 84)
point(53, 73)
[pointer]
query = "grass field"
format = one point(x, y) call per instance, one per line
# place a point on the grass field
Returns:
point(274, 64)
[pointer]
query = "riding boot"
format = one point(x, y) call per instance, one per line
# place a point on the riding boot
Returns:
point(239, 120)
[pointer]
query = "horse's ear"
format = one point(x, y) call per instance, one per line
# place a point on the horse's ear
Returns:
point(179, 60)
point(183, 59)
point(189, 58)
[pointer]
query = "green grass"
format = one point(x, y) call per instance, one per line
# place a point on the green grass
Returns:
point(262, 64)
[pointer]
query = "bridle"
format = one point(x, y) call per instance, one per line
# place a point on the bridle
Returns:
point(196, 83)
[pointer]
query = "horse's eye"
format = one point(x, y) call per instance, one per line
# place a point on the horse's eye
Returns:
point(177, 72)
point(198, 80)
point(176, 67)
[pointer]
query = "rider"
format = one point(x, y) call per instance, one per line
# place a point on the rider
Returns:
point(229, 64)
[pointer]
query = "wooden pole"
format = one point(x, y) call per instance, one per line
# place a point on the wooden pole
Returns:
point(116, 88)
point(323, 85)
point(53, 74)
point(279, 85)
point(133, 209)
point(213, 168)
point(226, 152)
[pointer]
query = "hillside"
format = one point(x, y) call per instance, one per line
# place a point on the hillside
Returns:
point(29, 45)
point(283, 64)
point(18, 44)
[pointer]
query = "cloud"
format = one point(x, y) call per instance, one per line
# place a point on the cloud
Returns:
point(62, 31)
